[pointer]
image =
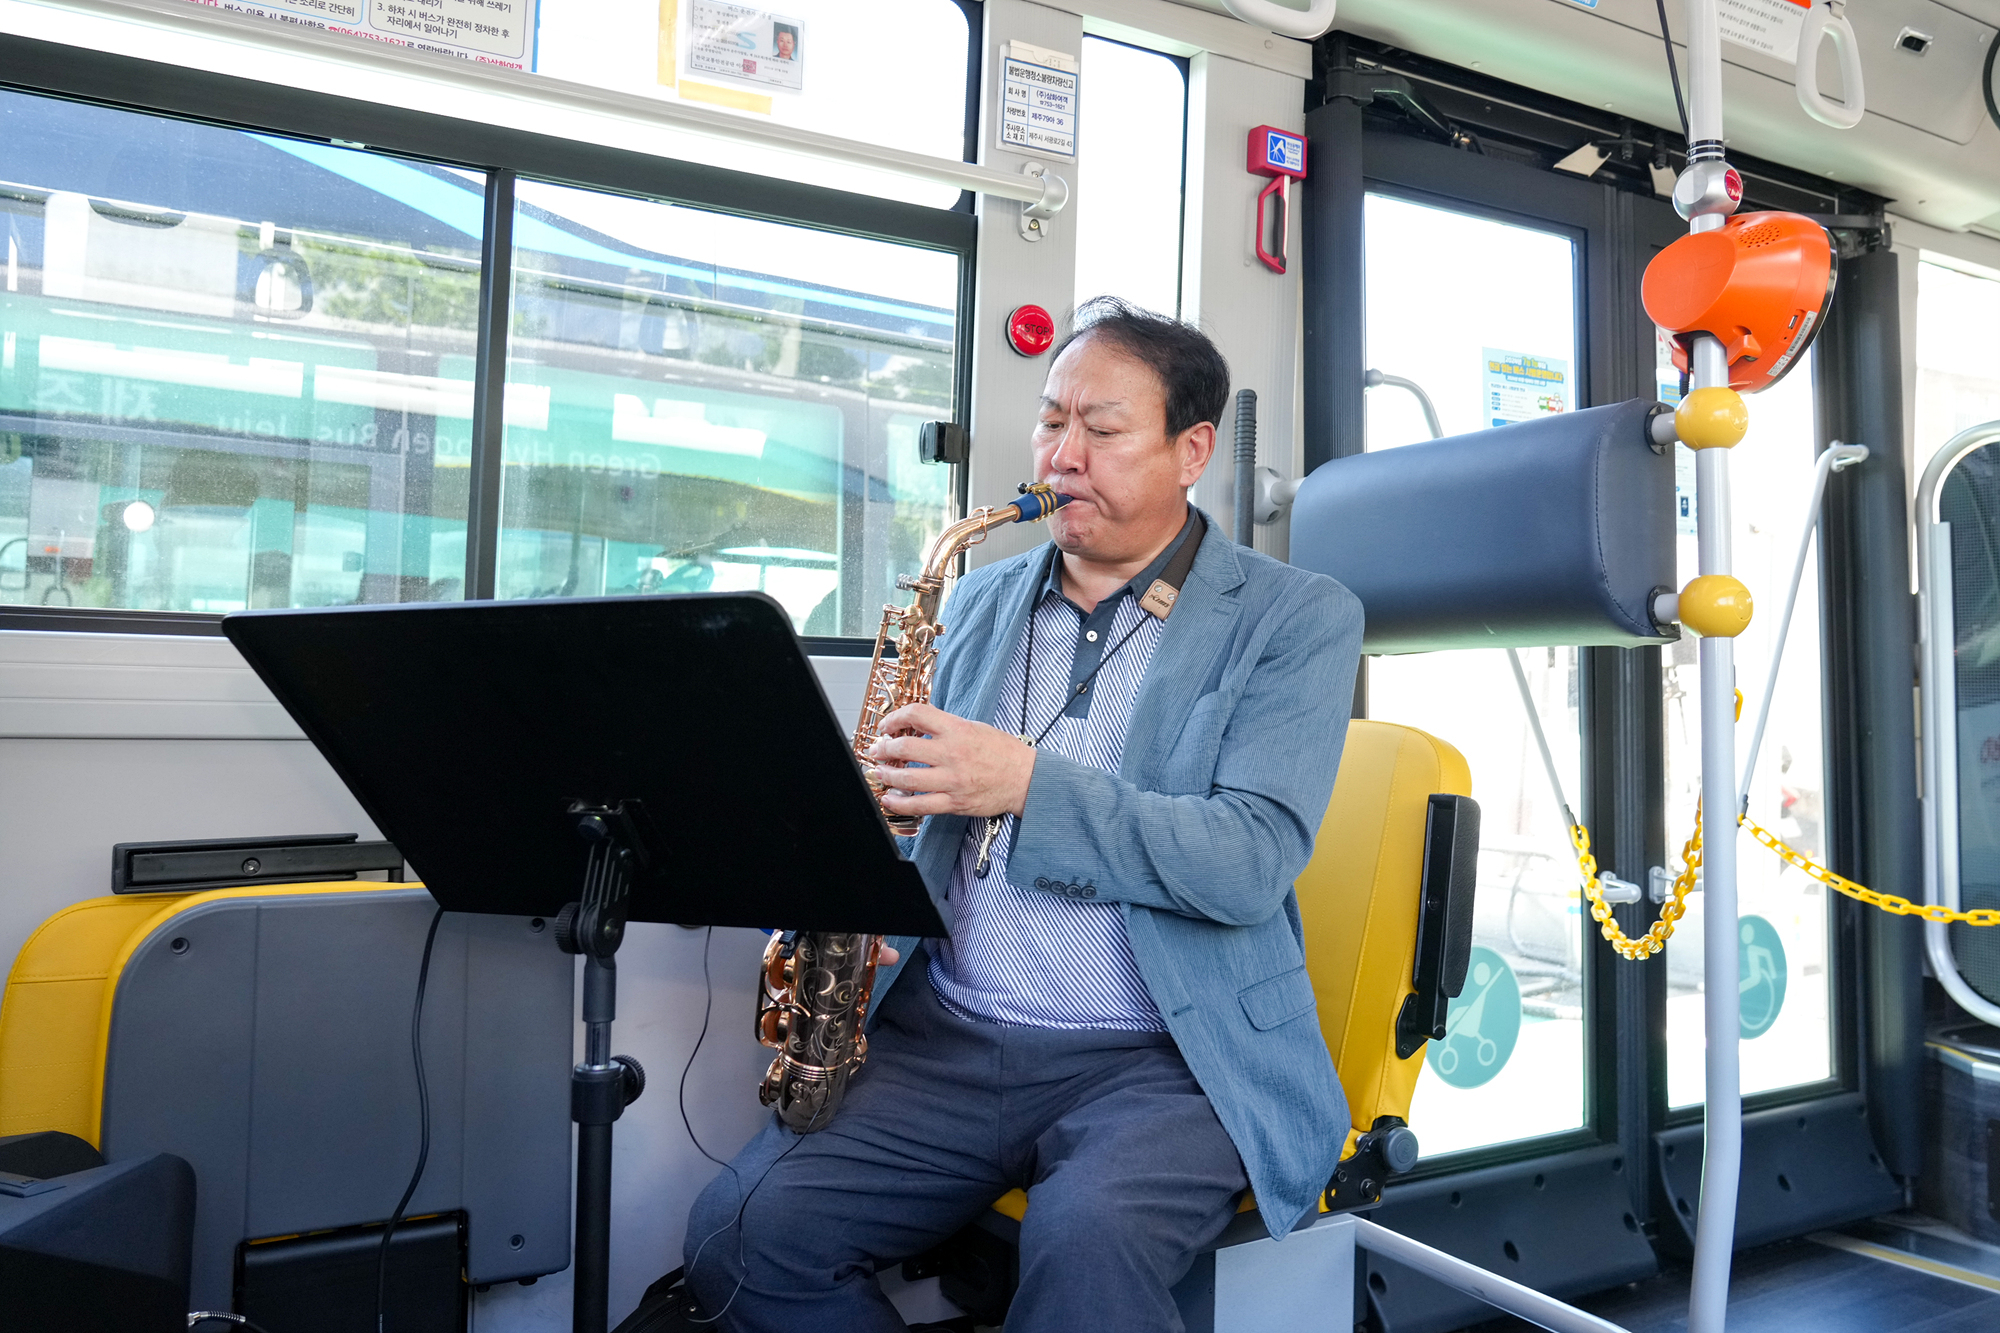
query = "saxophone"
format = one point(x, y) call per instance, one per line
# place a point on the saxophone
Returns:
point(812, 1000)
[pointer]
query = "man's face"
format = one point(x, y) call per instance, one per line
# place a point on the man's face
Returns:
point(1102, 440)
point(785, 44)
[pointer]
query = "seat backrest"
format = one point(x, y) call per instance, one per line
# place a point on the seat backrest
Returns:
point(55, 1015)
point(262, 1034)
point(52, 1013)
point(1359, 898)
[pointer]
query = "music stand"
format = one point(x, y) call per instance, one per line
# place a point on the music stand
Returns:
point(598, 761)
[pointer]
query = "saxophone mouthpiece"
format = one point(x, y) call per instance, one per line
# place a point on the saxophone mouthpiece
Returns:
point(1038, 500)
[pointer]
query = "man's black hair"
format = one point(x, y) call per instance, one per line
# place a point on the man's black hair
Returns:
point(1190, 366)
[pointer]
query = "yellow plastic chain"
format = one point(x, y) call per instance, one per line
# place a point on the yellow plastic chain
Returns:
point(1671, 911)
point(1656, 939)
point(1888, 902)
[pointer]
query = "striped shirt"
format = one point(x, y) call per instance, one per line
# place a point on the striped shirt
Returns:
point(1024, 956)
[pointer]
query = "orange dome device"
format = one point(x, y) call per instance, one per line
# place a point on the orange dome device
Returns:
point(1760, 285)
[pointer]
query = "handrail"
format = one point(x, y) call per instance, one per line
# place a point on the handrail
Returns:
point(1044, 195)
point(1376, 378)
point(1938, 682)
point(1834, 458)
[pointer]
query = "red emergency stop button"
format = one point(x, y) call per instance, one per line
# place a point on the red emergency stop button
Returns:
point(1030, 330)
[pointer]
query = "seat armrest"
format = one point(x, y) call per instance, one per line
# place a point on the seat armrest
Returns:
point(1444, 920)
point(1389, 1148)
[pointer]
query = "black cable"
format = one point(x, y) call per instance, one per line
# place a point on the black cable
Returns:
point(1674, 72)
point(707, 1003)
point(424, 1121)
point(737, 1222)
point(743, 1274)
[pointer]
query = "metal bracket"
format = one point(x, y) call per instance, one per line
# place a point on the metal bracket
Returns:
point(1274, 496)
point(1660, 883)
point(1036, 216)
point(1616, 890)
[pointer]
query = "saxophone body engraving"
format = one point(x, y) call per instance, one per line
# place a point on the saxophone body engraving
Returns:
point(812, 1002)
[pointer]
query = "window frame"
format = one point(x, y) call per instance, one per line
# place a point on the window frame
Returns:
point(123, 83)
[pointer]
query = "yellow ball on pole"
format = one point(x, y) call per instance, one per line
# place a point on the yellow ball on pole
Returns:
point(1716, 606)
point(1714, 418)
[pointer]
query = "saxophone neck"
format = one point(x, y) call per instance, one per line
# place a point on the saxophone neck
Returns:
point(1038, 500)
point(968, 531)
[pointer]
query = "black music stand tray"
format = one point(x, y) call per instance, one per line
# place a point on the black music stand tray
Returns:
point(596, 762)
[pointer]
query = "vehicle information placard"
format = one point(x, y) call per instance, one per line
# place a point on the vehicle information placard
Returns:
point(499, 32)
point(1038, 100)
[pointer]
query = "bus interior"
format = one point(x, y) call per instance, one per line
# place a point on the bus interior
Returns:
point(326, 305)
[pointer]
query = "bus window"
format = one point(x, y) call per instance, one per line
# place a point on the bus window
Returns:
point(1958, 352)
point(890, 72)
point(698, 401)
point(1132, 123)
point(1482, 315)
point(235, 370)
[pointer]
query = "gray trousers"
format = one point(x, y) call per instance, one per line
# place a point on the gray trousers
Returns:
point(1129, 1176)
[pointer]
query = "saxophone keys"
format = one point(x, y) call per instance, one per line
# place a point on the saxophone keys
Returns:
point(778, 964)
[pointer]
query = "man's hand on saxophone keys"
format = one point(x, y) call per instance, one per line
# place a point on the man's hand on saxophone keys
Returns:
point(969, 767)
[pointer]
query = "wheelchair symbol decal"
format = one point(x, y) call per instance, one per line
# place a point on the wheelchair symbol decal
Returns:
point(1482, 1024)
point(1760, 976)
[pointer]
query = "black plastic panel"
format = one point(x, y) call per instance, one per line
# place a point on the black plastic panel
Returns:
point(327, 1283)
point(1805, 1167)
point(1562, 1225)
point(107, 1252)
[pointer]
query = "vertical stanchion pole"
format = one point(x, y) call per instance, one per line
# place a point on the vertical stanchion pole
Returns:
point(1707, 193)
point(1722, 1138)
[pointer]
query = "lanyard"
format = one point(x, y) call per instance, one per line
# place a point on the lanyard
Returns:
point(1158, 601)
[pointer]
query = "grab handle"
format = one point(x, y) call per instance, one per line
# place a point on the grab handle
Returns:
point(1302, 24)
point(1821, 21)
point(1274, 262)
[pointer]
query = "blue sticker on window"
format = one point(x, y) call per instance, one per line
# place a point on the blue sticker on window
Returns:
point(1482, 1024)
point(1760, 976)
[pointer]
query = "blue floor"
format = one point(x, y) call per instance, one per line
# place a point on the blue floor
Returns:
point(1812, 1285)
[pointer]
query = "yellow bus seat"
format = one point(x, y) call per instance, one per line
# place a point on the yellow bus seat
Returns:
point(1384, 848)
point(144, 1023)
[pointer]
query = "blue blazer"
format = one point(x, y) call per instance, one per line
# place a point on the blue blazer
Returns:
point(1227, 770)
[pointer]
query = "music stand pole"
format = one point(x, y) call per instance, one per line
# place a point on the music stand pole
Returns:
point(604, 1084)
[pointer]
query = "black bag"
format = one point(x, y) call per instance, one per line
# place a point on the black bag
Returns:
point(668, 1307)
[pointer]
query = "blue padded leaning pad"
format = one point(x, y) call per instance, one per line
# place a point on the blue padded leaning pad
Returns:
point(1553, 531)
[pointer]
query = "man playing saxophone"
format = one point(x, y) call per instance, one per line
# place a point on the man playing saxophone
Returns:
point(1132, 738)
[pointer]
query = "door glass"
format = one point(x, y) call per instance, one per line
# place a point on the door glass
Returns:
point(1482, 315)
point(1783, 918)
point(235, 370)
point(1969, 501)
point(701, 401)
